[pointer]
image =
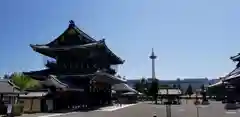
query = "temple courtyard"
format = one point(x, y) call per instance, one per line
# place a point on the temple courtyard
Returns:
point(147, 109)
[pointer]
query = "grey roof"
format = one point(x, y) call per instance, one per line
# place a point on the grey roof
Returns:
point(99, 76)
point(105, 77)
point(44, 49)
point(79, 34)
point(130, 93)
point(219, 83)
point(60, 83)
point(236, 57)
point(6, 86)
point(234, 74)
point(169, 92)
point(123, 87)
point(34, 94)
point(63, 82)
point(80, 37)
point(52, 80)
point(64, 48)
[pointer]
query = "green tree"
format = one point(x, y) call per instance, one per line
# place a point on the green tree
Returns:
point(217, 91)
point(153, 90)
point(6, 76)
point(146, 87)
point(189, 90)
point(24, 82)
point(174, 86)
point(164, 86)
point(141, 86)
point(137, 86)
point(143, 81)
point(179, 87)
point(202, 87)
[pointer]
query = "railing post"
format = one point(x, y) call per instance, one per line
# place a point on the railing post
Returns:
point(154, 115)
point(197, 111)
point(168, 110)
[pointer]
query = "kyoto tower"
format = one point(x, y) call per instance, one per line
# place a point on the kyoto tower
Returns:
point(153, 57)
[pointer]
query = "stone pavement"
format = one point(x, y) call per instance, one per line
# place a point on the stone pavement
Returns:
point(34, 115)
point(215, 109)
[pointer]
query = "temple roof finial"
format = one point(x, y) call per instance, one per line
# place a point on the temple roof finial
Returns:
point(71, 23)
point(103, 38)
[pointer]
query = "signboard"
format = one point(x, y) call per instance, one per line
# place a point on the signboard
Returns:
point(49, 104)
point(9, 108)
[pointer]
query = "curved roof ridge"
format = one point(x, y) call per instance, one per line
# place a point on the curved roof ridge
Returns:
point(110, 51)
point(58, 81)
point(13, 84)
point(76, 29)
point(72, 25)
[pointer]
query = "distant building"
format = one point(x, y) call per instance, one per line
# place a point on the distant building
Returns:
point(8, 92)
point(196, 83)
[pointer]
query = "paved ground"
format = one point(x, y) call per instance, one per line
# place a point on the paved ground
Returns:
point(215, 109)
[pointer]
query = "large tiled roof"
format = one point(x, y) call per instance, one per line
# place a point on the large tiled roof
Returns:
point(219, 83)
point(99, 76)
point(122, 87)
point(73, 30)
point(74, 38)
point(233, 75)
point(63, 81)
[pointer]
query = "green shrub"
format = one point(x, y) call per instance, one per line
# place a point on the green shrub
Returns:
point(17, 109)
point(24, 82)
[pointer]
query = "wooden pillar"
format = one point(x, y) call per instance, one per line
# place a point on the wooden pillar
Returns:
point(87, 94)
point(31, 104)
point(109, 94)
point(2, 97)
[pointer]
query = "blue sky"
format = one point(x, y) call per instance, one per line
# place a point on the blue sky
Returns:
point(192, 38)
